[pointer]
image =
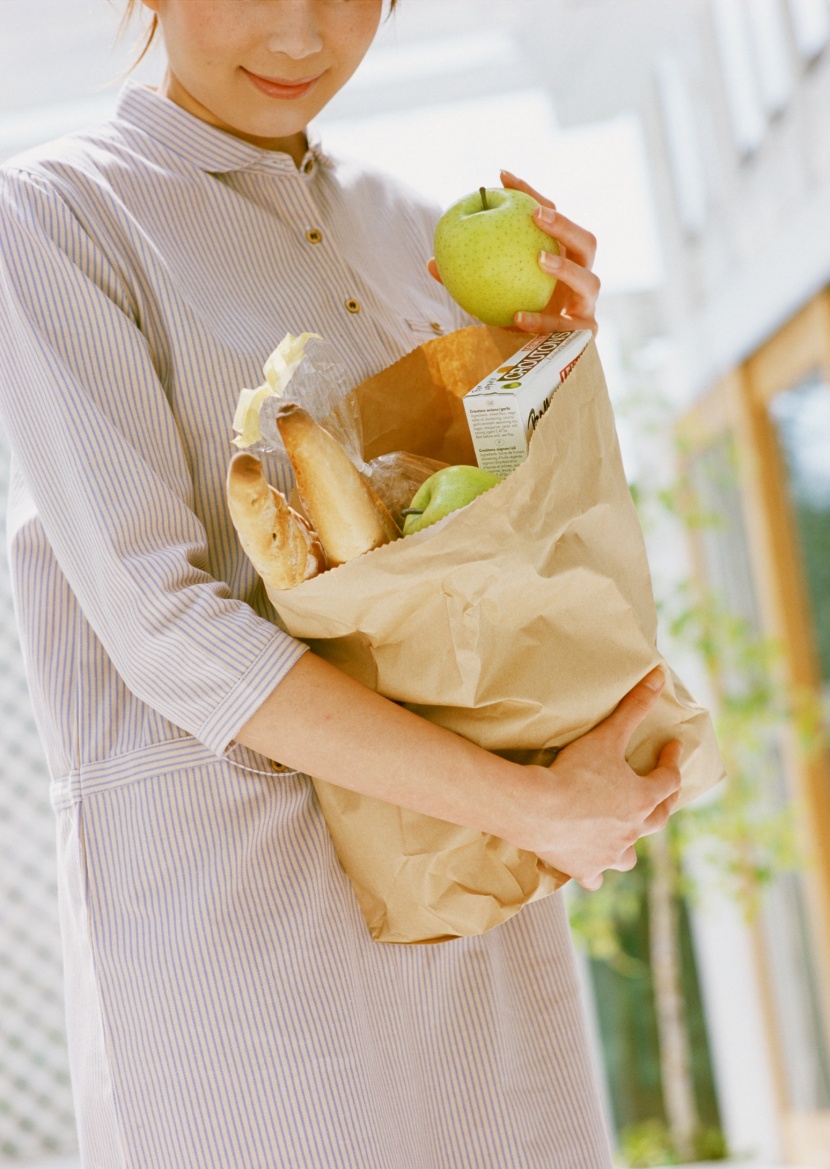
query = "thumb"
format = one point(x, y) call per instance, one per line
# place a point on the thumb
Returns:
point(432, 268)
point(624, 720)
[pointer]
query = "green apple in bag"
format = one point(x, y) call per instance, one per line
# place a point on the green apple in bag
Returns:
point(444, 492)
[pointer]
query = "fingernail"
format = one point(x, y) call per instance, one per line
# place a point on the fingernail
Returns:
point(506, 174)
point(656, 680)
point(527, 319)
point(550, 259)
point(545, 215)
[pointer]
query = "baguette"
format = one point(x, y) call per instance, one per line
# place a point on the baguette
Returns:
point(278, 542)
point(346, 513)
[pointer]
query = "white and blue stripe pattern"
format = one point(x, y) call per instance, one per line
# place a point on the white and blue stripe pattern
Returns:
point(227, 1008)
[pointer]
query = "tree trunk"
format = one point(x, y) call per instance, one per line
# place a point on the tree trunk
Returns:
point(675, 1052)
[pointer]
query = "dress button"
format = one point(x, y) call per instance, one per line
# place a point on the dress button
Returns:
point(278, 766)
point(314, 235)
point(436, 326)
point(308, 166)
point(353, 305)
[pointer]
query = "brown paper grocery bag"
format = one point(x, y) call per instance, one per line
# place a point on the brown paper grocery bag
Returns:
point(519, 622)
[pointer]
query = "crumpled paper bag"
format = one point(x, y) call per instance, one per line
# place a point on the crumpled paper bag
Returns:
point(518, 622)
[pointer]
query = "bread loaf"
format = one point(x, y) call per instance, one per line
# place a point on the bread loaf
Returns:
point(278, 542)
point(345, 512)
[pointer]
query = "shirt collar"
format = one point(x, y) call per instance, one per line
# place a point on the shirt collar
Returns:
point(202, 145)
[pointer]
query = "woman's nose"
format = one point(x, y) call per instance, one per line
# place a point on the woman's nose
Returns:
point(296, 30)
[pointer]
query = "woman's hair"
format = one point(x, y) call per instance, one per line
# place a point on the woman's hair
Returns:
point(130, 10)
point(129, 13)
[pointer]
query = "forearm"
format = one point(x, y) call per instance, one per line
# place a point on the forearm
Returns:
point(322, 722)
point(582, 815)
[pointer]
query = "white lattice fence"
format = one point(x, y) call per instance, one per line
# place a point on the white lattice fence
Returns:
point(35, 1102)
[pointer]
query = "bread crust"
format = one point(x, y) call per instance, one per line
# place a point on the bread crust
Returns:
point(345, 512)
point(279, 543)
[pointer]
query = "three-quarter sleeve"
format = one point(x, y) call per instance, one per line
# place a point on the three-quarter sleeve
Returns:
point(100, 452)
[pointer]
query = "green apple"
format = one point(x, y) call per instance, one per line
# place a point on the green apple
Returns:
point(445, 491)
point(487, 249)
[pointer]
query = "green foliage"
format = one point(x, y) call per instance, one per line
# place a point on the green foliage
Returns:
point(747, 832)
point(649, 1143)
point(710, 1145)
point(600, 919)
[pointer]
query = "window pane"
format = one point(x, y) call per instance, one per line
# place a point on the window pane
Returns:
point(743, 99)
point(768, 32)
point(801, 418)
point(784, 921)
point(793, 975)
point(679, 113)
point(811, 26)
point(725, 549)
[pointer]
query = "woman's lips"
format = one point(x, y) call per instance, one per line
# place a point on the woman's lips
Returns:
point(282, 89)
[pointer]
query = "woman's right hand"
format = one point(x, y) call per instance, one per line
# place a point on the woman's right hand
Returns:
point(595, 807)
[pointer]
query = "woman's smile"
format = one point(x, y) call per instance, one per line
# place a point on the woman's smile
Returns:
point(279, 88)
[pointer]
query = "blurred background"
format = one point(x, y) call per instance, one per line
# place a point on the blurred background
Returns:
point(693, 138)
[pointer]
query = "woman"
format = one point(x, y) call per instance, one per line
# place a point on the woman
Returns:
point(226, 1006)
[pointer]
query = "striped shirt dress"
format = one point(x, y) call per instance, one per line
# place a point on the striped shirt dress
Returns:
point(226, 1006)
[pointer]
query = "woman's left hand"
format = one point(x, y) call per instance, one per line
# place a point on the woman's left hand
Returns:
point(573, 303)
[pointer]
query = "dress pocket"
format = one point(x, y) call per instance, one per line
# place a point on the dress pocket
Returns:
point(430, 328)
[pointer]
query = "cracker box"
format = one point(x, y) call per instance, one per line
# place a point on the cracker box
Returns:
point(504, 409)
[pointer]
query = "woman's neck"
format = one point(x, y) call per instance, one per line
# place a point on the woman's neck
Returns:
point(295, 144)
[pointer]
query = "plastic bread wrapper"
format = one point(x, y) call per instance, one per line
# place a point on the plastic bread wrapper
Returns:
point(519, 622)
point(306, 370)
